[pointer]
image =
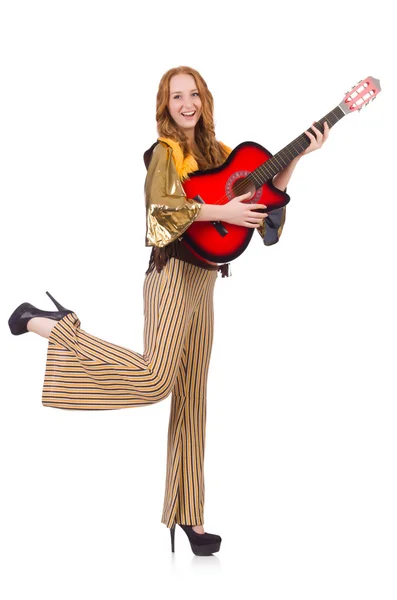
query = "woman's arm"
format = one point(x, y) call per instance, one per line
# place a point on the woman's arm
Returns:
point(272, 226)
point(211, 212)
point(168, 211)
point(280, 181)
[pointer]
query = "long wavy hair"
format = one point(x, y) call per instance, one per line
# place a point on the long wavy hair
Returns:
point(210, 153)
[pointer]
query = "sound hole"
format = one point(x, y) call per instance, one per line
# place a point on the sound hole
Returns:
point(241, 186)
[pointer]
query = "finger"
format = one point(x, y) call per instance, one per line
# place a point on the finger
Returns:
point(316, 140)
point(317, 132)
point(251, 225)
point(244, 196)
point(252, 219)
point(254, 215)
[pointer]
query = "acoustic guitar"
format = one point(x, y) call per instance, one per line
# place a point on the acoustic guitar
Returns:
point(250, 167)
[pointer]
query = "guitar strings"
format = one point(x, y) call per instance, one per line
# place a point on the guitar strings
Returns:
point(262, 169)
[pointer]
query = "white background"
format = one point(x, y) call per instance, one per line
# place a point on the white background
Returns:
point(301, 430)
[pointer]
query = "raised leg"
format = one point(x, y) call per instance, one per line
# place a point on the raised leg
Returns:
point(87, 373)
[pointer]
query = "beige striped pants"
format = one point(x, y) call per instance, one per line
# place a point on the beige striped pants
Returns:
point(87, 373)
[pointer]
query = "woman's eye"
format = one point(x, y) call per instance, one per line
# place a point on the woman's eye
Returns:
point(194, 94)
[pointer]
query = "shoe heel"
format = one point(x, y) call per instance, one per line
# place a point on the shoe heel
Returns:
point(172, 532)
point(59, 306)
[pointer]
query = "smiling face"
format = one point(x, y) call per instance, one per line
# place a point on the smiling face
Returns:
point(184, 102)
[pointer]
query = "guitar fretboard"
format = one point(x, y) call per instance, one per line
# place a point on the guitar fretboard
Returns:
point(276, 163)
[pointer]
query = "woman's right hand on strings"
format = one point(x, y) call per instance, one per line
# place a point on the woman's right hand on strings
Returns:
point(239, 213)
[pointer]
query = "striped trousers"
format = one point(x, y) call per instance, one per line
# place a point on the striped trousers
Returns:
point(85, 372)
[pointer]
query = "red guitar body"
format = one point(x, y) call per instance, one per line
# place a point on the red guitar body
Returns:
point(220, 242)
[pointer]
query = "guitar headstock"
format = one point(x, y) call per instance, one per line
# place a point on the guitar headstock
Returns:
point(360, 95)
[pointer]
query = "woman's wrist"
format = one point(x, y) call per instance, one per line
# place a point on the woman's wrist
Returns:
point(211, 212)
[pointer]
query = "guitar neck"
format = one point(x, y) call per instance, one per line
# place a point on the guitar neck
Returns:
point(274, 165)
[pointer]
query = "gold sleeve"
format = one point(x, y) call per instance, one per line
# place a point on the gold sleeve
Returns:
point(168, 211)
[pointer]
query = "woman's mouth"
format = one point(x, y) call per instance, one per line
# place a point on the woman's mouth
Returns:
point(189, 115)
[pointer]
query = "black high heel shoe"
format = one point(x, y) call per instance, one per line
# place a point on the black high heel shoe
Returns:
point(202, 544)
point(25, 311)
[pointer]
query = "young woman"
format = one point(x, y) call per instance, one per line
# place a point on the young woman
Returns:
point(87, 373)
